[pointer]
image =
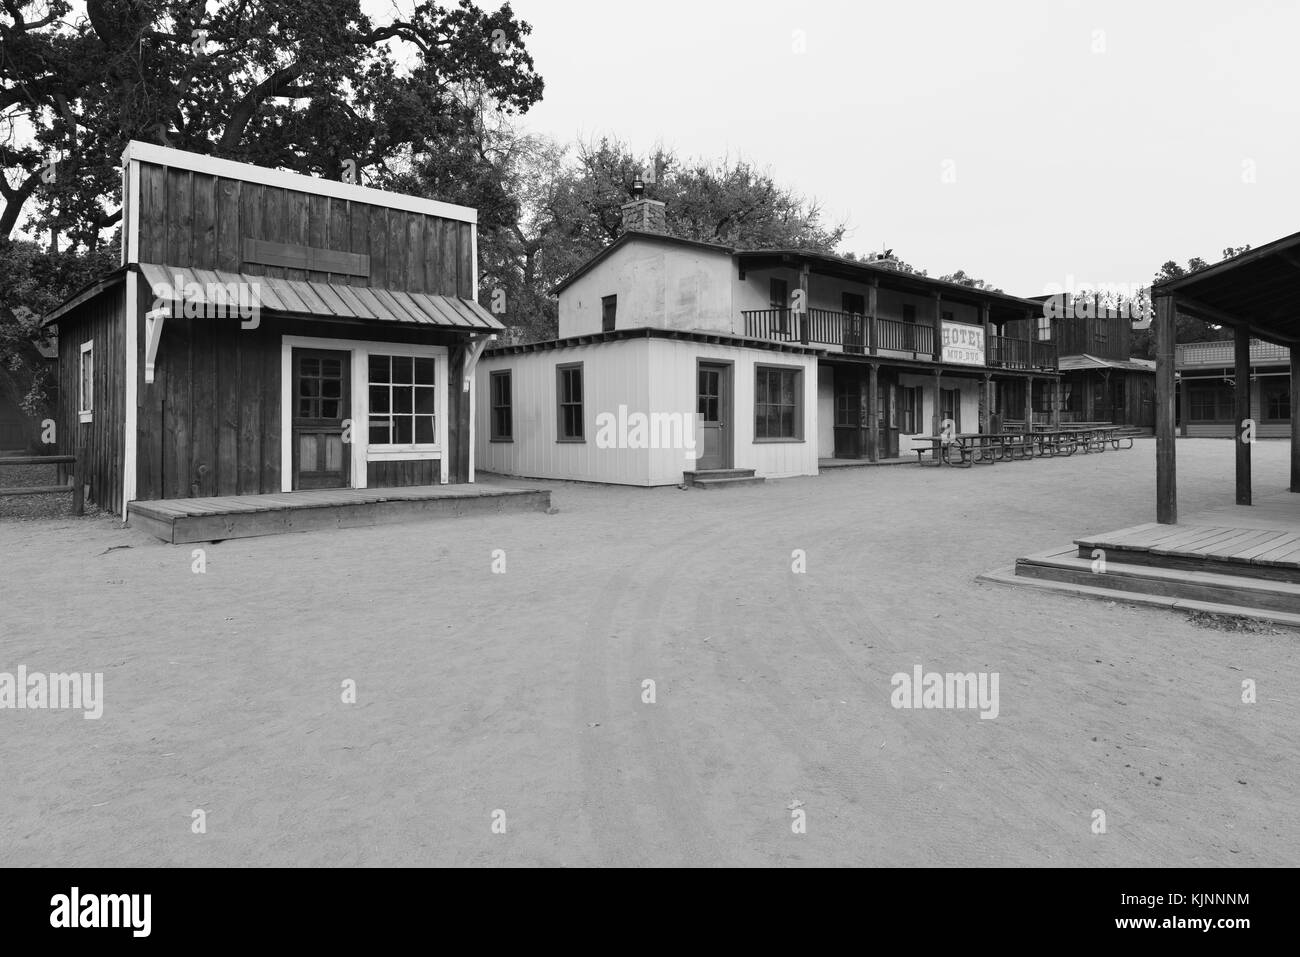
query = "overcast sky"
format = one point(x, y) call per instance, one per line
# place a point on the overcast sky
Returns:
point(1084, 138)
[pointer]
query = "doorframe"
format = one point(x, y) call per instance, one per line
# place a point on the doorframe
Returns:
point(729, 366)
point(293, 446)
point(359, 412)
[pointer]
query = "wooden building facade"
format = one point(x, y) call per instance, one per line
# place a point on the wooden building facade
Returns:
point(269, 332)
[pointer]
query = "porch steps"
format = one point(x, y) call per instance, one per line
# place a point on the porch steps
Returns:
point(722, 478)
point(1239, 592)
point(1009, 577)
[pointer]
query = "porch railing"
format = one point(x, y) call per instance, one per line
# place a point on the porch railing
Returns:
point(860, 335)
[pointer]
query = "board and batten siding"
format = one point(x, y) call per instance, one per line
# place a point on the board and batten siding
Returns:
point(673, 387)
point(210, 422)
point(614, 373)
point(201, 221)
point(101, 440)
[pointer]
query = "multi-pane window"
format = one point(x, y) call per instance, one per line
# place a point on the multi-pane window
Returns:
point(403, 400)
point(1043, 330)
point(909, 330)
point(950, 407)
point(320, 387)
point(909, 410)
point(1209, 403)
point(608, 312)
point(778, 297)
point(708, 401)
point(87, 379)
point(777, 412)
point(502, 409)
point(568, 394)
point(1277, 402)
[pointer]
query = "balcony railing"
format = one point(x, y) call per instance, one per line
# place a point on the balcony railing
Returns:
point(859, 335)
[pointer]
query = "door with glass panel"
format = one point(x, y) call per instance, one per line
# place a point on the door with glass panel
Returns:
point(322, 399)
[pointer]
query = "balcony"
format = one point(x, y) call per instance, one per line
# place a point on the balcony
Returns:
point(860, 335)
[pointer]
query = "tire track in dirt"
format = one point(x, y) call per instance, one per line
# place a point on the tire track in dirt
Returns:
point(612, 803)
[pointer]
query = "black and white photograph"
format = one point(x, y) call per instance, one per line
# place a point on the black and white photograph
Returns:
point(574, 435)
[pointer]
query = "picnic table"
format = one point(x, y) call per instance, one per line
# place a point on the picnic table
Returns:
point(964, 449)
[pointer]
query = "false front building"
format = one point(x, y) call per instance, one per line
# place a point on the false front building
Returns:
point(783, 359)
point(270, 332)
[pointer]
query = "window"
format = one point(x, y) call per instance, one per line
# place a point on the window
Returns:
point(846, 410)
point(87, 377)
point(568, 394)
point(1099, 331)
point(608, 309)
point(1209, 402)
point(778, 397)
point(1043, 329)
point(950, 407)
point(778, 297)
point(502, 414)
point(403, 400)
point(853, 303)
point(908, 343)
point(910, 411)
point(1276, 402)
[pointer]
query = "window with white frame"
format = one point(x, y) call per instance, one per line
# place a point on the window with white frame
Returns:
point(86, 407)
point(403, 400)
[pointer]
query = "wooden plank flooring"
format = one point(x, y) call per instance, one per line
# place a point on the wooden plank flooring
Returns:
point(1267, 533)
point(241, 516)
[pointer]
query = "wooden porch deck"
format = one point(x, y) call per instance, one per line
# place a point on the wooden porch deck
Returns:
point(181, 520)
point(1240, 560)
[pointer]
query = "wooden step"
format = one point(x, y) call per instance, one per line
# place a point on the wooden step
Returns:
point(733, 481)
point(718, 478)
point(1009, 577)
point(1194, 585)
point(1245, 552)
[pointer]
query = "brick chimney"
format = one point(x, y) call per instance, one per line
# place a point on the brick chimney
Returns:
point(644, 215)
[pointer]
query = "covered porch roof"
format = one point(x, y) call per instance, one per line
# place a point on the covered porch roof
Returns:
point(1256, 294)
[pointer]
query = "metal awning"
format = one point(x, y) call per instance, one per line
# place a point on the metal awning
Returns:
point(1084, 362)
point(214, 289)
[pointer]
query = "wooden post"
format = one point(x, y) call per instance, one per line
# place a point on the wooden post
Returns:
point(1166, 461)
point(79, 482)
point(804, 315)
point(1295, 432)
point(872, 297)
point(1241, 393)
point(1029, 404)
point(986, 403)
point(938, 384)
point(1056, 402)
point(873, 412)
point(938, 327)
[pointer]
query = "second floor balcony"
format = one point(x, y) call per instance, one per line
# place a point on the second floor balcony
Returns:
point(857, 334)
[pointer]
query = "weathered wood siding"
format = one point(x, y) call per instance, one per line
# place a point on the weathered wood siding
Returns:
point(401, 474)
point(103, 320)
point(201, 221)
point(210, 423)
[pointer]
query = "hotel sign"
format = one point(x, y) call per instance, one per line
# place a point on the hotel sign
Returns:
point(963, 344)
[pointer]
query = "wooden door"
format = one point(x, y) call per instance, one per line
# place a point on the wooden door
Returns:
point(713, 403)
point(322, 398)
point(848, 413)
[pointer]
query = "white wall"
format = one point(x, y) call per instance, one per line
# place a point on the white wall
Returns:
point(658, 284)
point(673, 385)
point(646, 376)
point(614, 373)
point(970, 405)
point(826, 412)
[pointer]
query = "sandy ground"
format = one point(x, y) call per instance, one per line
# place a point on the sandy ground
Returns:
point(522, 692)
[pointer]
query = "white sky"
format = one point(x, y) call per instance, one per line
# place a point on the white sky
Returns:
point(1099, 165)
